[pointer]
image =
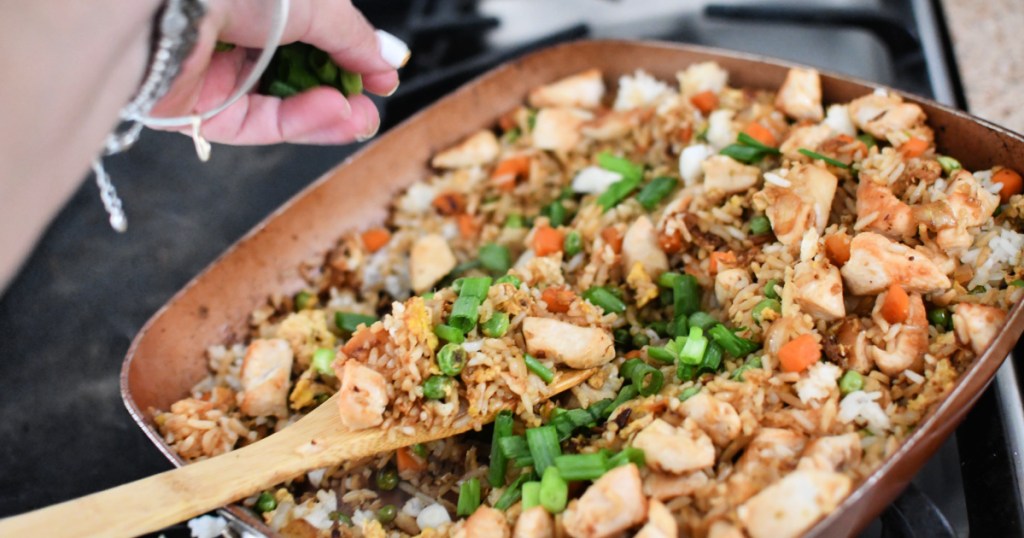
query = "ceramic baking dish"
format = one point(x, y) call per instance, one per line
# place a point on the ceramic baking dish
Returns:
point(167, 357)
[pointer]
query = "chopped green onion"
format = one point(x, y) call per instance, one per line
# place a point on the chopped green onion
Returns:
point(679, 326)
point(978, 290)
point(510, 279)
point(531, 495)
point(640, 340)
point(496, 326)
point(820, 157)
point(940, 317)
point(510, 136)
point(743, 154)
point(222, 46)
point(712, 358)
point(654, 192)
point(451, 359)
point(322, 359)
point(736, 346)
point(616, 193)
point(531, 118)
point(281, 89)
point(349, 321)
point(427, 296)
point(760, 225)
point(554, 491)
point(326, 70)
point(303, 300)
point(851, 381)
point(573, 244)
point(556, 213)
point(868, 140)
point(693, 350)
point(753, 362)
point(686, 372)
point(582, 466)
point(350, 83)
point(495, 258)
point(568, 421)
point(469, 497)
point(703, 320)
point(465, 313)
point(340, 517)
point(604, 298)
point(647, 379)
point(668, 279)
point(628, 367)
point(689, 392)
point(449, 334)
point(544, 448)
point(766, 304)
point(626, 456)
point(948, 163)
point(420, 450)
point(387, 513)
point(514, 447)
point(626, 394)
point(387, 479)
point(660, 354)
point(514, 220)
point(538, 369)
point(622, 166)
point(475, 287)
point(747, 140)
point(499, 463)
point(1018, 283)
point(660, 327)
point(266, 502)
point(770, 290)
point(437, 387)
point(686, 295)
point(512, 492)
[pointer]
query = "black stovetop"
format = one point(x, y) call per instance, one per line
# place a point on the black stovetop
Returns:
point(68, 318)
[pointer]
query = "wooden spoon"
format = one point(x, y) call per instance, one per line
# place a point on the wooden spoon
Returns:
point(153, 503)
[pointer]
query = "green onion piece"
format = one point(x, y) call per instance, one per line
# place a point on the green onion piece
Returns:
point(628, 367)
point(640, 340)
point(350, 83)
point(387, 513)
point(531, 495)
point(868, 140)
point(427, 296)
point(514, 220)
point(820, 157)
point(568, 421)
point(626, 456)
point(420, 450)
point(475, 287)
point(647, 379)
point(299, 77)
point(712, 358)
point(940, 317)
point(349, 321)
point(582, 466)
point(556, 213)
point(686, 295)
point(686, 372)
point(703, 320)
point(303, 300)
point(465, 313)
point(770, 289)
point(660, 354)
point(573, 244)
point(851, 381)
point(660, 327)
point(743, 154)
point(669, 279)
point(469, 497)
point(753, 362)
point(760, 225)
point(766, 304)
point(747, 140)
point(512, 492)
point(266, 502)
point(387, 479)
point(451, 359)
point(554, 491)
point(622, 166)
point(604, 298)
point(689, 392)
point(495, 258)
point(510, 136)
point(616, 193)
point(531, 118)
point(510, 279)
point(322, 359)
point(324, 68)
point(978, 290)
point(693, 350)
point(599, 410)
point(538, 369)
point(499, 463)
point(735, 345)
point(654, 192)
point(496, 326)
point(544, 448)
point(461, 268)
point(948, 163)
point(437, 387)
point(514, 447)
point(449, 334)
point(340, 517)
point(281, 89)
point(626, 394)
point(1018, 283)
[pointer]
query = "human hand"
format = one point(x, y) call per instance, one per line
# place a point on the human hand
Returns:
point(320, 115)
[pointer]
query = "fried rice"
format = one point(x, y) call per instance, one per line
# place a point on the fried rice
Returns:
point(771, 291)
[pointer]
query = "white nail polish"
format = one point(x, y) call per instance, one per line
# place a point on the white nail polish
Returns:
point(395, 51)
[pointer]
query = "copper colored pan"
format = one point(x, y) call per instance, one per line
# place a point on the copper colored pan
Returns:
point(167, 357)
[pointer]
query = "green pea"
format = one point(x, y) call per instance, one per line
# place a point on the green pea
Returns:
point(497, 326)
point(514, 220)
point(771, 289)
point(322, 359)
point(303, 300)
point(451, 359)
point(340, 518)
point(766, 304)
point(851, 381)
point(436, 387)
point(266, 502)
point(573, 244)
point(387, 513)
point(387, 479)
point(640, 340)
point(760, 225)
point(941, 318)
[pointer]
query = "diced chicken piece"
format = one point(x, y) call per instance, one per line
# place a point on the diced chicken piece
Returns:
point(717, 418)
point(691, 162)
point(702, 77)
point(969, 204)
point(853, 347)
point(582, 90)
point(977, 324)
point(727, 175)
point(675, 449)
point(266, 369)
point(664, 486)
point(876, 262)
point(905, 351)
point(889, 215)
point(832, 453)
point(724, 529)
point(534, 523)
point(612, 504)
point(804, 204)
point(612, 125)
point(429, 260)
point(819, 289)
point(799, 97)
point(640, 245)
point(640, 90)
point(880, 115)
point(837, 118)
point(477, 150)
point(594, 180)
point(660, 523)
point(363, 395)
point(721, 132)
point(790, 506)
point(575, 346)
point(486, 522)
point(729, 282)
point(558, 129)
point(771, 447)
point(805, 137)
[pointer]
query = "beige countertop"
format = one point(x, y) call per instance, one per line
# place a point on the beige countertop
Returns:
point(988, 39)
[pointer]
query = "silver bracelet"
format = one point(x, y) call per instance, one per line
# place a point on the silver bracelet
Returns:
point(178, 32)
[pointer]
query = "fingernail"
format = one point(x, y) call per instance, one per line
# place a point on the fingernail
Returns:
point(394, 51)
point(393, 90)
point(371, 133)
